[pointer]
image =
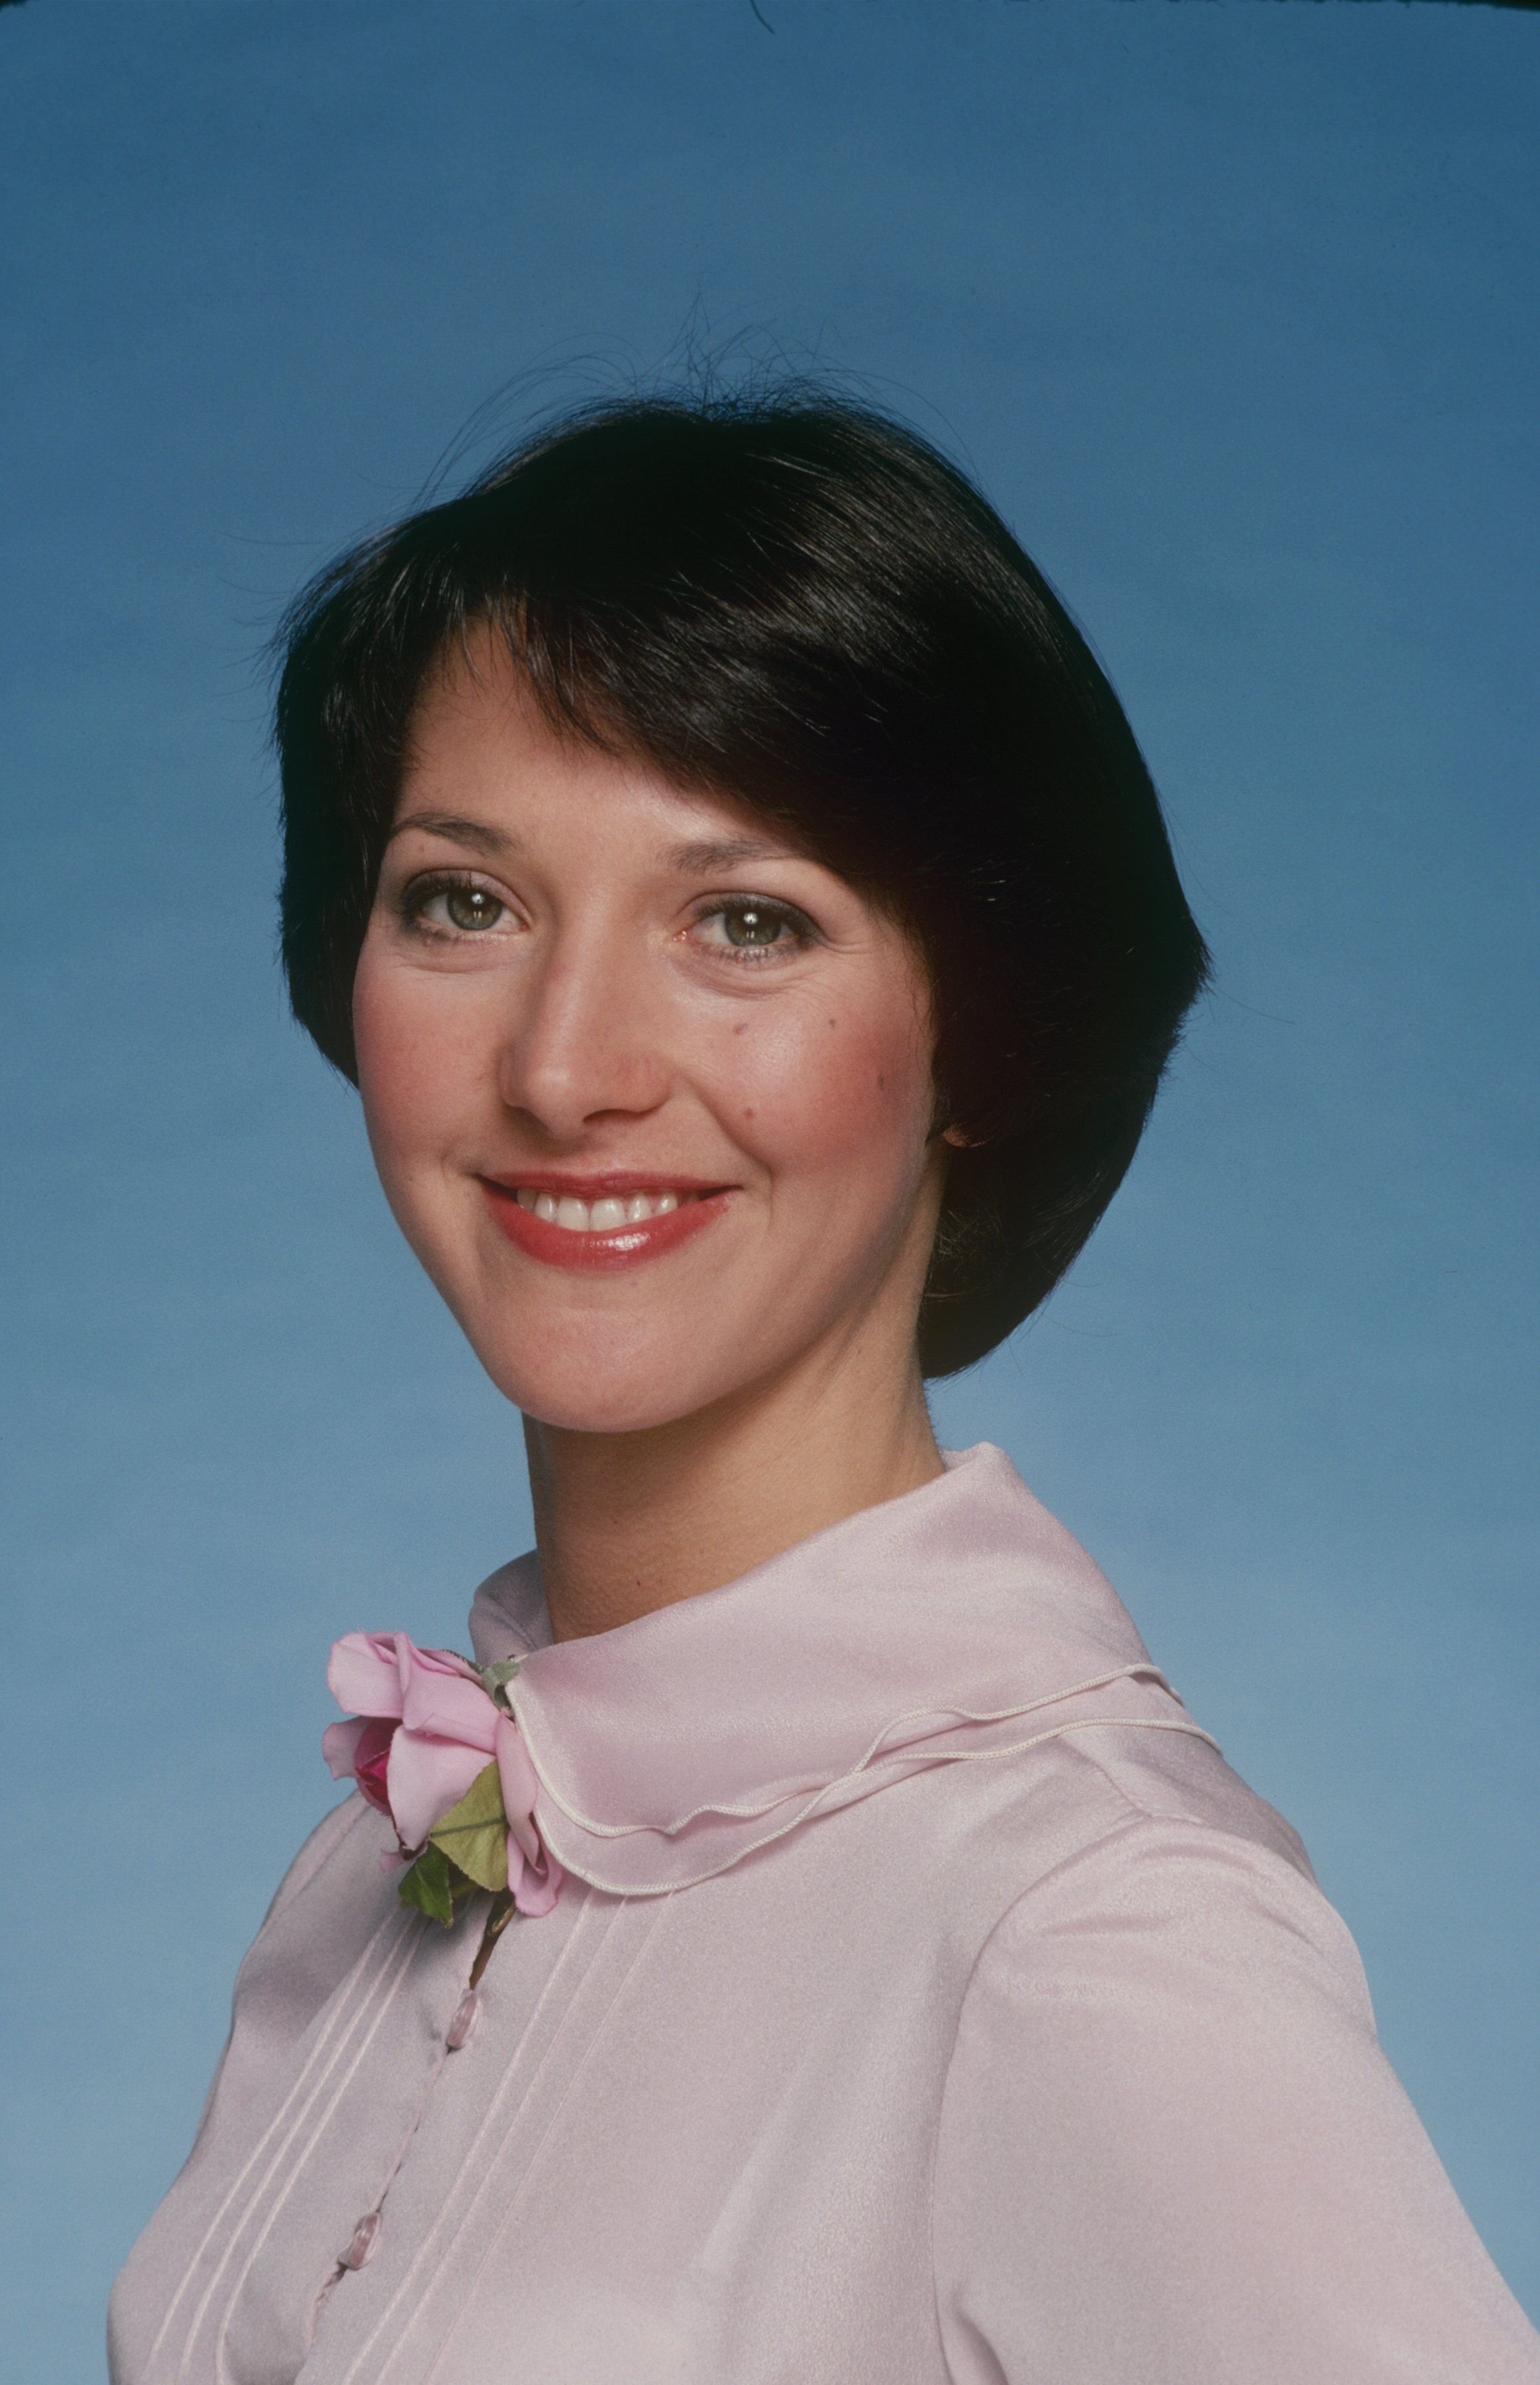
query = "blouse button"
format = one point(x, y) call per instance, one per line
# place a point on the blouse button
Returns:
point(464, 2022)
point(366, 2236)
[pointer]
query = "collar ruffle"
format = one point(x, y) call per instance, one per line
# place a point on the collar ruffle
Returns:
point(957, 1622)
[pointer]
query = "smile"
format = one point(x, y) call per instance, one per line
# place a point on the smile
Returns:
point(603, 1217)
point(602, 1228)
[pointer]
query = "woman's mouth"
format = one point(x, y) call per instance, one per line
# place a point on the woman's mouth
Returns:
point(603, 1217)
point(603, 1227)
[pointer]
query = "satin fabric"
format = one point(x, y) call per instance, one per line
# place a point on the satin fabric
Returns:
point(926, 2000)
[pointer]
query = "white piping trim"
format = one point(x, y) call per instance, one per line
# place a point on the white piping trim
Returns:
point(348, 2002)
point(919, 1763)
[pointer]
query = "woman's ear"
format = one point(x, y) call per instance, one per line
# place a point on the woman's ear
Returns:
point(958, 1136)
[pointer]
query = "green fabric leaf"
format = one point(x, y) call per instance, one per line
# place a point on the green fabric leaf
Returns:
point(496, 1678)
point(474, 1834)
point(436, 1886)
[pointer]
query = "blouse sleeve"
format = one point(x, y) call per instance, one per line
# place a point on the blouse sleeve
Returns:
point(1172, 2153)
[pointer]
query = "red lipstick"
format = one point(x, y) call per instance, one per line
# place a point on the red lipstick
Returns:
point(602, 1250)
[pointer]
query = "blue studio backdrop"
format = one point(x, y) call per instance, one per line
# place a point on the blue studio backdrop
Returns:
point(1232, 310)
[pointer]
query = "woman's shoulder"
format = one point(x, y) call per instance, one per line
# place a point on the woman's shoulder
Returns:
point(328, 1907)
point(318, 1854)
point(1180, 1778)
point(1143, 1805)
point(1165, 1858)
point(1170, 2141)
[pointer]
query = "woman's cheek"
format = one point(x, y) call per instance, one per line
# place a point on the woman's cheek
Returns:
point(418, 1051)
point(844, 1086)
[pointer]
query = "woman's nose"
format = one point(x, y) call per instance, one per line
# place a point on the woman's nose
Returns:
point(585, 1043)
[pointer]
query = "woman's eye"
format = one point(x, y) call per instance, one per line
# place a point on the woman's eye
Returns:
point(470, 907)
point(752, 926)
point(455, 907)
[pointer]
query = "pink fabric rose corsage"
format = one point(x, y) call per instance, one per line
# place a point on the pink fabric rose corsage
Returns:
point(433, 1745)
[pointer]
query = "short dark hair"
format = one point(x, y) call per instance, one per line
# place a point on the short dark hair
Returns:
point(791, 598)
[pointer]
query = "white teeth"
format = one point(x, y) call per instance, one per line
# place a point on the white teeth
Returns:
point(600, 1216)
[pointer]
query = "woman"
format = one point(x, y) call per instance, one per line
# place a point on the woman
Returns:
point(826, 1949)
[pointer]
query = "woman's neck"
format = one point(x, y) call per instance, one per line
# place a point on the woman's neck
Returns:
point(629, 1522)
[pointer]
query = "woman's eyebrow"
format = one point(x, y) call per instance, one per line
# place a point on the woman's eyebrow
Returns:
point(693, 861)
point(479, 834)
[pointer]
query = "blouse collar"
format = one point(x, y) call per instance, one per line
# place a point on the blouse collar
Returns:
point(960, 1620)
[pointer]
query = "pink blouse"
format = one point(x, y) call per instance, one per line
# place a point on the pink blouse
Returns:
point(926, 2000)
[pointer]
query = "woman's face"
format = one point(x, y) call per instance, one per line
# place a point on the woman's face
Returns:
point(650, 1093)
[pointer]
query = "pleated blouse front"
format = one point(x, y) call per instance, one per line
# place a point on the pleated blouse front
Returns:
point(926, 2000)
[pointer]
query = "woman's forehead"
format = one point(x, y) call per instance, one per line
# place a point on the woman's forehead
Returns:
point(483, 753)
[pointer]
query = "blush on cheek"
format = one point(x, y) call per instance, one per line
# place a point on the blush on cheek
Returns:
point(420, 1054)
point(818, 1101)
point(403, 1093)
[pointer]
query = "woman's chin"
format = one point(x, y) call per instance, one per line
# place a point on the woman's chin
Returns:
point(589, 1391)
point(580, 1412)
